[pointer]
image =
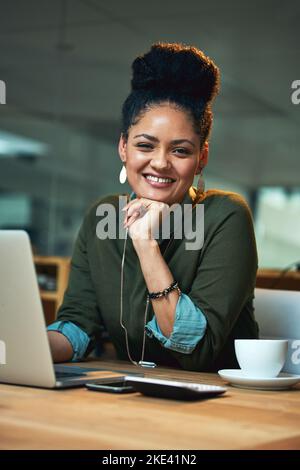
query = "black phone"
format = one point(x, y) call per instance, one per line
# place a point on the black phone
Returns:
point(111, 385)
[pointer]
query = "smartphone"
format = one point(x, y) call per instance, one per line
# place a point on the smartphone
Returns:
point(111, 385)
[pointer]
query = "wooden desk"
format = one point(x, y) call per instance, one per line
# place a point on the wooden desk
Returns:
point(277, 279)
point(80, 419)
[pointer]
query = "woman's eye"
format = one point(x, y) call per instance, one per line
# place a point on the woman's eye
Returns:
point(182, 151)
point(146, 146)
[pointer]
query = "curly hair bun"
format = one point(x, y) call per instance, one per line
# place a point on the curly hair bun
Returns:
point(177, 68)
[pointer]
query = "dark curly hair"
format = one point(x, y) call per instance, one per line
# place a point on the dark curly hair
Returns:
point(178, 74)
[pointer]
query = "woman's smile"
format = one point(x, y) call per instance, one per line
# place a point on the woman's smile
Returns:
point(158, 181)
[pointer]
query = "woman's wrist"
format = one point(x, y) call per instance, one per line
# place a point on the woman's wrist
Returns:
point(140, 245)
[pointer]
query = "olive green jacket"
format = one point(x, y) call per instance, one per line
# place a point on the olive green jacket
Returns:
point(219, 278)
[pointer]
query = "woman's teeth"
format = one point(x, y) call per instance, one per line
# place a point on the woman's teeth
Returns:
point(158, 180)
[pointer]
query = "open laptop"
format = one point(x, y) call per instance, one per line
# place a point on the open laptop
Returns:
point(25, 357)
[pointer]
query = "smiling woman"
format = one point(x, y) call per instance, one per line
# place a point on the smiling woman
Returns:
point(160, 302)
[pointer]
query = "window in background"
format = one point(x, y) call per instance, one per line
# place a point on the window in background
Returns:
point(277, 227)
point(15, 211)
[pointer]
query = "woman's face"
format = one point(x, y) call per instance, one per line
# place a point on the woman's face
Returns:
point(164, 145)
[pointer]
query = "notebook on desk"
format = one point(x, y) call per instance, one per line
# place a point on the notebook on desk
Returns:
point(25, 357)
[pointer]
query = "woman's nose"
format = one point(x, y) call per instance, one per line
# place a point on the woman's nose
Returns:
point(160, 161)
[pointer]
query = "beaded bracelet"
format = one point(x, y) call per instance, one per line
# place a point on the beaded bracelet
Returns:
point(163, 293)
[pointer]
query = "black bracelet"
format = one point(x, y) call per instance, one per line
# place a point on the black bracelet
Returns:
point(163, 293)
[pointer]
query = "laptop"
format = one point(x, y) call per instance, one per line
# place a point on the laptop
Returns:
point(25, 357)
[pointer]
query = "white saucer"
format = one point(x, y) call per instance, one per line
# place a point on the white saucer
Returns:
point(236, 378)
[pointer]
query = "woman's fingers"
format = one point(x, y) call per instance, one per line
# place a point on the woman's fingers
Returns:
point(134, 208)
point(137, 207)
point(130, 204)
point(130, 209)
point(145, 202)
point(129, 220)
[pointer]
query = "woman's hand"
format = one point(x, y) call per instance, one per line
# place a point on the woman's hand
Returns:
point(144, 217)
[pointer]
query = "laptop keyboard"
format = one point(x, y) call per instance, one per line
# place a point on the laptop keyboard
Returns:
point(61, 375)
point(65, 372)
point(62, 372)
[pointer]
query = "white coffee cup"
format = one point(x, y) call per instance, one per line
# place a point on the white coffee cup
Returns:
point(261, 357)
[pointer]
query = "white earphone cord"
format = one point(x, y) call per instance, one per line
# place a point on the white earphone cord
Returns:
point(121, 312)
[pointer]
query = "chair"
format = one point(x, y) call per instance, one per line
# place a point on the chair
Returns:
point(277, 313)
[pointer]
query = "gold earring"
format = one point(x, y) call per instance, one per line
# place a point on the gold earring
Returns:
point(201, 182)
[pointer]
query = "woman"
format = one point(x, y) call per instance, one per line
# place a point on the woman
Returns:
point(160, 302)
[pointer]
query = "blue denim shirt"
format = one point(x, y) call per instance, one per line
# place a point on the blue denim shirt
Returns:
point(189, 328)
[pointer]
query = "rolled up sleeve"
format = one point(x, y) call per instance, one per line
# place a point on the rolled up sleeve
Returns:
point(189, 327)
point(76, 336)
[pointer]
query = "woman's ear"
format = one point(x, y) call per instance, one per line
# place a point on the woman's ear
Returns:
point(122, 148)
point(203, 158)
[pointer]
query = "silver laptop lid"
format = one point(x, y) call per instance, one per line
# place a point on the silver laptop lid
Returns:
point(23, 337)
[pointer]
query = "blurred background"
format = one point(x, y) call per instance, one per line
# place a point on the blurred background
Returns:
point(66, 66)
